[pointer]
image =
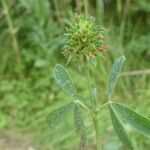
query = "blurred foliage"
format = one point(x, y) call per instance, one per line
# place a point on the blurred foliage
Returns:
point(30, 46)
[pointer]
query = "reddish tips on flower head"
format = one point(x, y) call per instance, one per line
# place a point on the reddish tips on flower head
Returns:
point(103, 49)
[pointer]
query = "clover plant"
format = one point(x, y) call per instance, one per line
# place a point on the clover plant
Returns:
point(84, 42)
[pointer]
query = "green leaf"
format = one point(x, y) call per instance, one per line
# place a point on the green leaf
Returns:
point(64, 81)
point(57, 116)
point(119, 129)
point(136, 120)
point(114, 74)
point(78, 121)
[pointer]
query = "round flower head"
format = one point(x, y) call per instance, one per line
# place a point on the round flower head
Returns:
point(83, 39)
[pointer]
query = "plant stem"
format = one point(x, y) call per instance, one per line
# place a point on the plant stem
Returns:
point(84, 106)
point(86, 7)
point(124, 19)
point(12, 30)
point(57, 11)
point(96, 127)
point(119, 8)
point(94, 117)
point(105, 104)
point(94, 113)
point(88, 80)
point(100, 10)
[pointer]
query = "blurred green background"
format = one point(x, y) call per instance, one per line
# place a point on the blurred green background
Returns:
point(30, 46)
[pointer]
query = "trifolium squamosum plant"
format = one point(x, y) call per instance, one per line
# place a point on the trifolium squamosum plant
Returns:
point(83, 44)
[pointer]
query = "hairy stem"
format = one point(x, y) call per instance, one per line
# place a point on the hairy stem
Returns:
point(105, 104)
point(96, 126)
point(80, 103)
point(88, 80)
point(94, 113)
point(95, 122)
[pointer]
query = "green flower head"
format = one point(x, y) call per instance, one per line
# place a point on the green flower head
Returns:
point(83, 39)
